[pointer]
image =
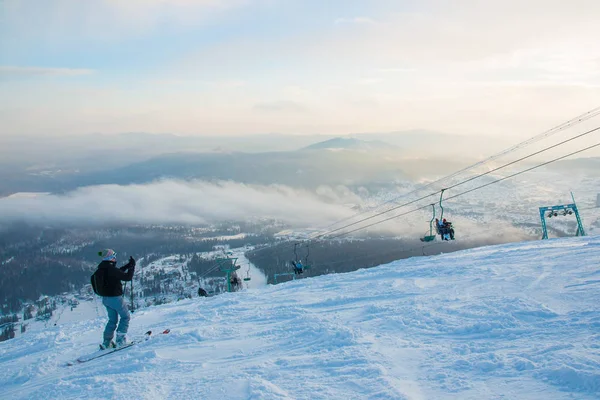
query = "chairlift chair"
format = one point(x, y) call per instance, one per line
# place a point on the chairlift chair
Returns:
point(306, 264)
point(297, 264)
point(431, 236)
point(442, 215)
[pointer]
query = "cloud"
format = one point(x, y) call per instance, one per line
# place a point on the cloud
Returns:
point(176, 202)
point(201, 202)
point(153, 12)
point(281, 106)
point(56, 23)
point(369, 81)
point(146, 3)
point(446, 66)
point(225, 84)
point(341, 194)
point(354, 21)
point(395, 70)
point(42, 71)
point(557, 64)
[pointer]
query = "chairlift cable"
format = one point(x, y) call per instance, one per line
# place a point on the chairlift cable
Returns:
point(461, 183)
point(404, 250)
point(473, 189)
point(568, 124)
point(584, 117)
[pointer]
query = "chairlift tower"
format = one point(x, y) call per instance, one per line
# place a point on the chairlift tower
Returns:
point(228, 266)
point(563, 209)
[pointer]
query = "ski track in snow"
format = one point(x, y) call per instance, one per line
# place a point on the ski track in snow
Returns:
point(517, 321)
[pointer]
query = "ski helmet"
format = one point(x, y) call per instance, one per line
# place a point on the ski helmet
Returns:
point(108, 255)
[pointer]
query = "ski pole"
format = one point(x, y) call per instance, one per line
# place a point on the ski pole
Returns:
point(132, 307)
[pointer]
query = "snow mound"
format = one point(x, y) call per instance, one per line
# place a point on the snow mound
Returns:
point(513, 321)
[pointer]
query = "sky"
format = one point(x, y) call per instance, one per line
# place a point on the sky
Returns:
point(235, 67)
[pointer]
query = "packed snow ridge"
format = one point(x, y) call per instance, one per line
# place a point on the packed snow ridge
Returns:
point(518, 321)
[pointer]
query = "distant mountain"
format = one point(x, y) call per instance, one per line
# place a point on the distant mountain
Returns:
point(339, 161)
point(59, 164)
point(295, 168)
point(342, 143)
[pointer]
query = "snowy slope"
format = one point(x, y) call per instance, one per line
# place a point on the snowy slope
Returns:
point(518, 321)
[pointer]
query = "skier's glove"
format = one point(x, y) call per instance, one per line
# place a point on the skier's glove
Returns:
point(131, 262)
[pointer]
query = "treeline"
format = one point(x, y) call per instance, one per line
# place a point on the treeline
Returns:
point(157, 243)
point(8, 323)
point(7, 326)
point(204, 267)
point(160, 282)
point(26, 278)
point(7, 331)
point(38, 261)
point(339, 256)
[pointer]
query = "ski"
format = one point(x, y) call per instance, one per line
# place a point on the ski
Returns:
point(105, 352)
point(101, 353)
point(149, 333)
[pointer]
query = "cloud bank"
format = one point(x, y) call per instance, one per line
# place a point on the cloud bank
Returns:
point(174, 202)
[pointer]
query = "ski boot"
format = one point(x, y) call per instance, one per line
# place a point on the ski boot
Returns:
point(108, 345)
point(121, 340)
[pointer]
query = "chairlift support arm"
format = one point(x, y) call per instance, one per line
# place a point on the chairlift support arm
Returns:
point(441, 206)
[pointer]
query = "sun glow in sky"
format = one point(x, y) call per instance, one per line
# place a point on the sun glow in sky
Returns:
point(236, 67)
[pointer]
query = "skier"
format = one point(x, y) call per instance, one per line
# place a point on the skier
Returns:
point(106, 282)
point(441, 229)
point(235, 281)
point(448, 229)
point(298, 268)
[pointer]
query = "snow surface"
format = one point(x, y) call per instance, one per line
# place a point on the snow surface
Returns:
point(517, 321)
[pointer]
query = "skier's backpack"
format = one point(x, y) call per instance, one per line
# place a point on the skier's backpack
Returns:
point(97, 281)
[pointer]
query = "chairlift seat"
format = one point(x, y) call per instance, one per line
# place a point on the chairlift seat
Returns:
point(428, 238)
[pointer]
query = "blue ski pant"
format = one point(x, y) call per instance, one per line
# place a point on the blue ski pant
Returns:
point(116, 307)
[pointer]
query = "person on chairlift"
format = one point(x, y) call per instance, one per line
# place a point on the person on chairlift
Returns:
point(441, 228)
point(298, 268)
point(448, 229)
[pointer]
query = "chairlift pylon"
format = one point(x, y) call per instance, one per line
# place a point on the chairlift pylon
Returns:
point(564, 209)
